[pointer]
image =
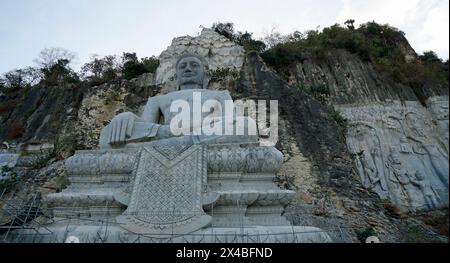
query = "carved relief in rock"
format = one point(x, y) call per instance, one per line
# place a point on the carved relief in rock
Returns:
point(401, 151)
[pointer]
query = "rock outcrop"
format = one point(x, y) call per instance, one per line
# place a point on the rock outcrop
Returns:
point(218, 51)
point(350, 80)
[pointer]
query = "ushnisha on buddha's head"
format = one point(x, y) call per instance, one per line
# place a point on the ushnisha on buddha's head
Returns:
point(190, 70)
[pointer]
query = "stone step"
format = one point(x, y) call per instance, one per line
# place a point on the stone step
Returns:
point(114, 233)
point(82, 198)
point(99, 179)
point(255, 197)
point(238, 221)
point(102, 198)
point(212, 178)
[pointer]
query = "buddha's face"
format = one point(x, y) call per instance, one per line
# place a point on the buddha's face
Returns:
point(190, 72)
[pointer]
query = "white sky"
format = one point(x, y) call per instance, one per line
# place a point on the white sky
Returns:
point(147, 27)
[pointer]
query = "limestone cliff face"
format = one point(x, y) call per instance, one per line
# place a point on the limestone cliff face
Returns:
point(351, 80)
point(387, 120)
point(62, 119)
point(100, 104)
point(38, 116)
point(333, 170)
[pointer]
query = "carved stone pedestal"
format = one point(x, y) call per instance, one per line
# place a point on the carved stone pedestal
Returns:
point(176, 192)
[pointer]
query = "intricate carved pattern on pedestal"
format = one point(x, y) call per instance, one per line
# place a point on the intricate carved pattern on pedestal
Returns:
point(167, 191)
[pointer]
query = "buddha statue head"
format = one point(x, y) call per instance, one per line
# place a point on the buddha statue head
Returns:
point(191, 71)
